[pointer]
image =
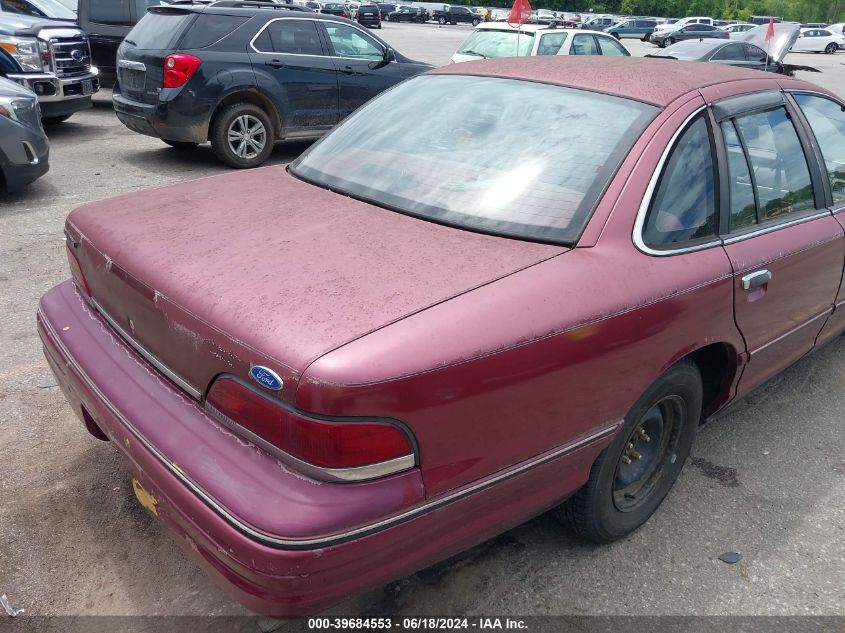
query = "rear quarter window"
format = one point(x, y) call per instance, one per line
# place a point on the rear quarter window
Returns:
point(158, 30)
point(210, 29)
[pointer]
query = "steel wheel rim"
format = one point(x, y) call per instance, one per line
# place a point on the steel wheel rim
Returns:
point(649, 451)
point(247, 136)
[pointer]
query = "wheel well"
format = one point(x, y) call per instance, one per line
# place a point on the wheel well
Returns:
point(718, 365)
point(256, 98)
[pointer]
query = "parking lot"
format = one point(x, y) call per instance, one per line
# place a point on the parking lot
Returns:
point(767, 479)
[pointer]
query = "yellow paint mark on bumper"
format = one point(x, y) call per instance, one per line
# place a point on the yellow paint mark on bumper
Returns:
point(145, 498)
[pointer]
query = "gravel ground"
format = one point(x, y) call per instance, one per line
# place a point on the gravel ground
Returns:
point(767, 479)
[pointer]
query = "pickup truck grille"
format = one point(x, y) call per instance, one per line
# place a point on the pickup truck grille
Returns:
point(71, 56)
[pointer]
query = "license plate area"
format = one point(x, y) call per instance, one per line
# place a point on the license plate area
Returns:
point(87, 87)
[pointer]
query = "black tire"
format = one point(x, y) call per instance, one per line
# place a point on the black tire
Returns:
point(180, 145)
point(831, 48)
point(616, 35)
point(670, 41)
point(476, 22)
point(604, 509)
point(55, 120)
point(227, 120)
point(441, 21)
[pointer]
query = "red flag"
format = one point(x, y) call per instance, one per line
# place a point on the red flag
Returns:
point(520, 13)
point(770, 33)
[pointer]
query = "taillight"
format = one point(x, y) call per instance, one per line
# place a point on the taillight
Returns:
point(348, 450)
point(179, 68)
point(343, 14)
point(76, 270)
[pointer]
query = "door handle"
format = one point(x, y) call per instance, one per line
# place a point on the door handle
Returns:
point(274, 63)
point(348, 70)
point(756, 279)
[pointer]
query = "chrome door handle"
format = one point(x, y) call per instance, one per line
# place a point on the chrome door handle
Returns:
point(756, 279)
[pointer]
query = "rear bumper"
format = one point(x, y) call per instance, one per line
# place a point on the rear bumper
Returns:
point(332, 540)
point(170, 120)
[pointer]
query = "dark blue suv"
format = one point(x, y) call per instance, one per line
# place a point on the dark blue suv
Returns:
point(244, 74)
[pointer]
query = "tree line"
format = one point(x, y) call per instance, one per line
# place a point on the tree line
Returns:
point(829, 11)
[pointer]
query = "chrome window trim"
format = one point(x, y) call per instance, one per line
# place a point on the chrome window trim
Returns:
point(820, 213)
point(267, 25)
point(148, 356)
point(305, 544)
point(639, 223)
point(354, 26)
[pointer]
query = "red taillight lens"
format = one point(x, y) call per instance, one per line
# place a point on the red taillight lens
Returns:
point(179, 68)
point(326, 445)
point(76, 271)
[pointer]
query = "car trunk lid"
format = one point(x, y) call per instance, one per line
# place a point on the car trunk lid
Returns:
point(250, 269)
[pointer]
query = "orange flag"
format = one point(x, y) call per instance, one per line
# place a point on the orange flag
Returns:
point(520, 12)
point(769, 34)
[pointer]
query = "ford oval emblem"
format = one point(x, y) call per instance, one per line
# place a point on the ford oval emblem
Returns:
point(266, 378)
point(77, 55)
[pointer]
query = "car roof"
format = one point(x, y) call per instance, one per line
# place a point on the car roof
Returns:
point(647, 80)
point(532, 28)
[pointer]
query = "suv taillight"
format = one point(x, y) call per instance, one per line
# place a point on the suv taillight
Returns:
point(179, 68)
point(326, 449)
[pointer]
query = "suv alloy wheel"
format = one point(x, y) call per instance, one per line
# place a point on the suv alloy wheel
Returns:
point(242, 135)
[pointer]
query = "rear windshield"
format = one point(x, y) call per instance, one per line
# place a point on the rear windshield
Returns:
point(367, 9)
point(209, 29)
point(490, 43)
point(158, 29)
point(503, 156)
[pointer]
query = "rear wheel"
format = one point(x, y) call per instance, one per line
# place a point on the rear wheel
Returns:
point(616, 35)
point(476, 22)
point(181, 145)
point(441, 21)
point(242, 135)
point(831, 48)
point(632, 476)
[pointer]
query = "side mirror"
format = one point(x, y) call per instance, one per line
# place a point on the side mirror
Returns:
point(389, 55)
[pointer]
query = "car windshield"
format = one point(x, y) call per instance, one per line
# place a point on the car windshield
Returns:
point(482, 154)
point(492, 43)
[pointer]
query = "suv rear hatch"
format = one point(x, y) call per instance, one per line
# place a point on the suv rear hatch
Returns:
point(140, 58)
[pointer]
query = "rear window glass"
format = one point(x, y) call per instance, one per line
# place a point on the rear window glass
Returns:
point(482, 154)
point(209, 29)
point(158, 30)
point(491, 43)
point(367, 9)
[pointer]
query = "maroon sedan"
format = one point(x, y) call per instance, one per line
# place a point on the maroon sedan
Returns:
point(327, 376)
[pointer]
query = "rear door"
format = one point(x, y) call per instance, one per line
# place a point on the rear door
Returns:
point(304, 78)
point(360, 62)
point(786, 249)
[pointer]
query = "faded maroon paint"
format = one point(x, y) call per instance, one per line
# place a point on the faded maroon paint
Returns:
point(251, 484)
point(561, 344)
point(781, 320)
point(269, 580)
point(207, 296)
